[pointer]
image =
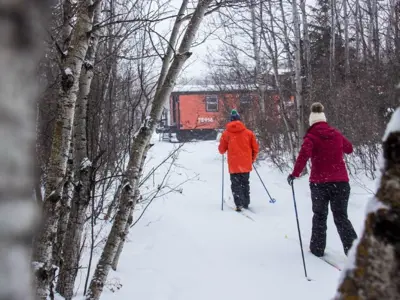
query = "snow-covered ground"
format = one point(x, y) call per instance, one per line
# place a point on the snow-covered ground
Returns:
point(186, 248)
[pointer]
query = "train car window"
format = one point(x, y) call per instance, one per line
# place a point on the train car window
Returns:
point(245, 99)
point(211, 103)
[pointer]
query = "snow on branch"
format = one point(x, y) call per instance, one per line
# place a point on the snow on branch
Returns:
point(86, 163)
point(394, 124)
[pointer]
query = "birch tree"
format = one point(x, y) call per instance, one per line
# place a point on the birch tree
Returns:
point(299, 84)
point(273, 51)
point(68, 16)
point(21, 28)
point(61, 140)
point(307, 49)
point(259, 80)
point(332, 52)
point(130, 218)
point(131, 176)
point(83, 170)
point(346, 39)
point(287, 40)
point(68, 22)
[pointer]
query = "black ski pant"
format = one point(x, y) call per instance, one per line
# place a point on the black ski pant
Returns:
point(337, 194)
point(241, 188)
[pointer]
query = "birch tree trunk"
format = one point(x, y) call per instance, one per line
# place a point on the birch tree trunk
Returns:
point(286, 35)
point(131, 176)
point(375, 33)
point(66, 31)
point(112, 207)
point(21, 31)
point(389, 29)
point(171, 44)
point(332, 58)
point(68, 15)
point(108, 71)
point(375, 273)
point(307, 49)
point(83, 171)
point(64, 214)
point(299, 85)
point(274, 56)
point(61, 139)
point(130, 219)
point(358, 30)
point(346, 40)
point(257, 59)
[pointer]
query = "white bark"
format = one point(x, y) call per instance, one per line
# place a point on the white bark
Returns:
point(64, 215)
point(376, 30)
point(112, 207)
point(66, 31)
point(299, 85)
point(332, 58)
point(68, 15)
point(125, 232)
point(61, 139)
point(389, 30)
point(274, 56)
point(307, 48)
point(21, 31)
point(371, 26)
point(108, 71)
point(358, 29)
point(131, 176)
point(83, 171)
point(286, 36)
point(346, 39)
point(130, 219)
point(257, 58)
point(172, 44)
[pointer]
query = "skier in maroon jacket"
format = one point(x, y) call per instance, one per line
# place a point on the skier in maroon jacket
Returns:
point(329, 182)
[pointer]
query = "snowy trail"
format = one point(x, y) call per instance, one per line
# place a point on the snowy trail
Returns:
point(186, 248)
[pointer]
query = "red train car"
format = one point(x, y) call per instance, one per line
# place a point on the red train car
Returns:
point(197, 112)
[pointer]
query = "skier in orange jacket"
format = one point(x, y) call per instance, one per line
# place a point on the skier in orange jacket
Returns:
point(243, 149)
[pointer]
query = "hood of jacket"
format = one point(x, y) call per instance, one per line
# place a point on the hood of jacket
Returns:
point(322, 130)
point(235, 126)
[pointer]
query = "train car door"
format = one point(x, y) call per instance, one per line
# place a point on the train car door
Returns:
point(175, 115)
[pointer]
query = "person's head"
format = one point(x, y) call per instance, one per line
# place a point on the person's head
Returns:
point(317, 113)
point(235, 115)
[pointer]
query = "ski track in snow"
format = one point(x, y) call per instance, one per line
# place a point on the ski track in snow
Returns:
point(186, 248)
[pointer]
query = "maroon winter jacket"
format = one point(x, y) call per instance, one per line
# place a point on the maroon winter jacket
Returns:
point(325, 146)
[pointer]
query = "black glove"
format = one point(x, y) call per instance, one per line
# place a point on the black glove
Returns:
point(290, 179)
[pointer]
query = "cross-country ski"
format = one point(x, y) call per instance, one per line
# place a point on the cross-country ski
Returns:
point(242, 211)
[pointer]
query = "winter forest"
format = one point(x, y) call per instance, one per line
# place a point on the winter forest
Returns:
point(95, 204)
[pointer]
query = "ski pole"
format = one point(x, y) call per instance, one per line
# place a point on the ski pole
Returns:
point(222, 194)
point(272, 200)
point(298, 229)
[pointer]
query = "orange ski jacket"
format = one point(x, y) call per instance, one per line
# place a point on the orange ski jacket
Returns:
point(241, 145)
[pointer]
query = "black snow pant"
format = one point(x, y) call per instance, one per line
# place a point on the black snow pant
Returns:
point(241, 189)
point(337, 194)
